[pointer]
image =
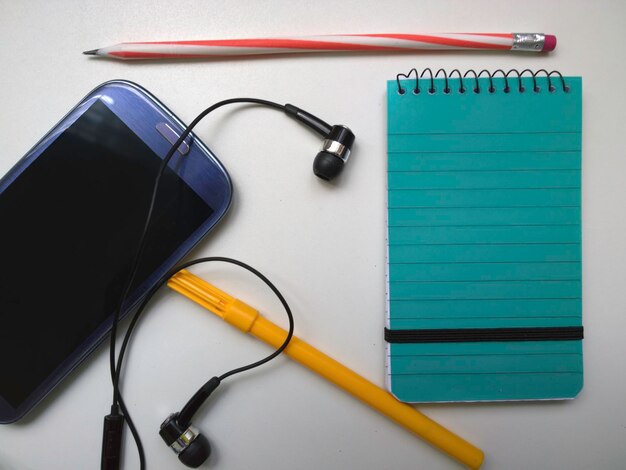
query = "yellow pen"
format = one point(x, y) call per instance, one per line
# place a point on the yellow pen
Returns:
point(248, 320)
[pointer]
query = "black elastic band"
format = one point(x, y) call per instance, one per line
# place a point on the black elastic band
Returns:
point(472, 335)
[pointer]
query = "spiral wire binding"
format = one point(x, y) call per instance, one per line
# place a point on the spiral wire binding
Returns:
point(475, 77)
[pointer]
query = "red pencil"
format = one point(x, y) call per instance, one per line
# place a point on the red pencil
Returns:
point(533, 42)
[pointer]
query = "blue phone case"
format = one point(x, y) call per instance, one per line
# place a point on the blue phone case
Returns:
point(158, 128)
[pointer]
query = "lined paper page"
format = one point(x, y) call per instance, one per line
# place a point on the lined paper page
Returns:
point(484, 232)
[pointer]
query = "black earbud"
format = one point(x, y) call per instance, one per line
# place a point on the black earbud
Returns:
point(338, 141)
point(186, 441)
point(191, 447)
point(334, 154)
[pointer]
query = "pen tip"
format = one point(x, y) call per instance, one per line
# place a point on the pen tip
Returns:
point(91, 52)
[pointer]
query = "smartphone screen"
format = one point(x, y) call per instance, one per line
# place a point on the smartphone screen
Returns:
point(75, 216)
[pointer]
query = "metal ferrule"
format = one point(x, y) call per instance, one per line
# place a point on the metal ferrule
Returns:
point(184, 440)
point(336, 148)
point(532, 42)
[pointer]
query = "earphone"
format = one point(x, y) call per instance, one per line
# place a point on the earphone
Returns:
point(190, 445)
point(336, 147)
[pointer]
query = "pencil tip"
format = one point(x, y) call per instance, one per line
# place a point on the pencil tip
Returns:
point(91, 52)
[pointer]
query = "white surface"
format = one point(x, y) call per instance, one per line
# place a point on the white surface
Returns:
point(324, 246)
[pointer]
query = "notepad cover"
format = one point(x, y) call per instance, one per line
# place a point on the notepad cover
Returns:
point(484, 231)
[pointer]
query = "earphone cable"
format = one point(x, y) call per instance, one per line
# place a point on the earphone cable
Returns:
point(116, 368)
point(142, 239)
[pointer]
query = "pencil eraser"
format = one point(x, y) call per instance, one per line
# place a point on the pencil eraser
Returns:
point(549, 43)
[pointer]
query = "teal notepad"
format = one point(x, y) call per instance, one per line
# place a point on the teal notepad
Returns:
point(484, 238)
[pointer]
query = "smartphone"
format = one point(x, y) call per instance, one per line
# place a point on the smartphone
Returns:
point(71, 214)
